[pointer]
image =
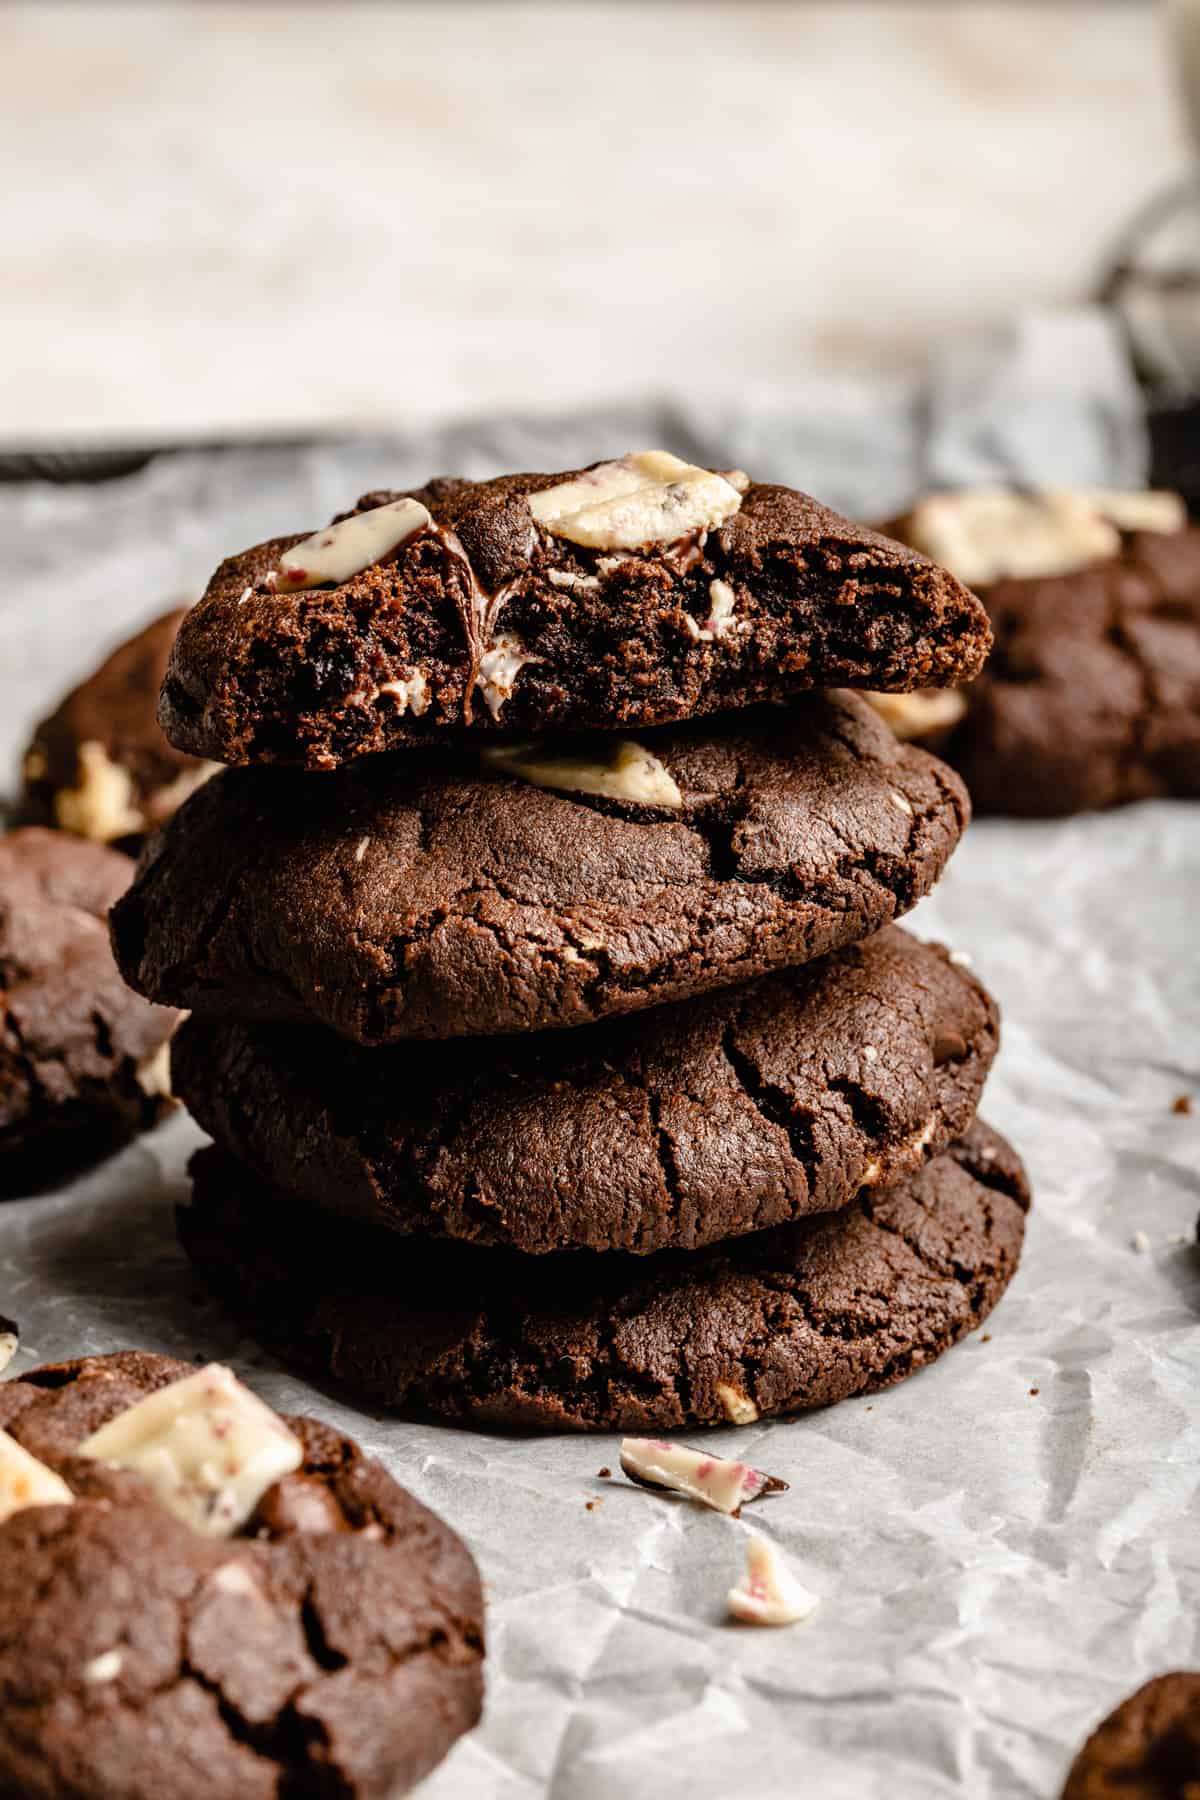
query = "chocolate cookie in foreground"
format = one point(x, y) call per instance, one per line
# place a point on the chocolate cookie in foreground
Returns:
point(538, 885)
point(779, 1322)
point(82, 1059)
point(1149, 1749)
point(99, 765)
point(1091, 696)
point(198, 1598)
point(667, 1130)
point(634, 593)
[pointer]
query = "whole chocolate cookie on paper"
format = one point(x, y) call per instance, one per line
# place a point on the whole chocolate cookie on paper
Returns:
point(634, 593)
point(797, 1317)
point(536, 886)
point(82, 1059)
point(199, 1598)
point(1148, 1749)
point(1091, 695)
point(99, 765)
point(670, 1129)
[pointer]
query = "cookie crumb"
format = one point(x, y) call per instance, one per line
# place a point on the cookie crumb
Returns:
point(589, 1506)
point(986, 1338)
point(1182, 1104)
point(605, 1473)
point(1140, 1242)
point(1034, 1392)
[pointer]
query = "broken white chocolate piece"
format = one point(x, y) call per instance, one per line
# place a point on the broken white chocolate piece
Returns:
point(768, 1593)
point(737, 478)
point(24, 1481)
point(621, 770)
point(715, 1481)
point(1138, 509)
point(920, 714)
point(720, 623)
point(986, 534)
point(566, 578)
point(499, 668)
point(206, 1445)
point(346, 549)
point(10, 1340)
point(738, 1407)
point(647, 498)
point(411, 694)
point(101, 805)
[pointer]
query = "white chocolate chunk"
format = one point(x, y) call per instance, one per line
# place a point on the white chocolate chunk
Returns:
point(105, 1667)
point(647, 498)
point(901, 802)
point(1138, 509)
point(346, 549)
point(715, 1481)
point(916, 715)
point(738, 1407)
point(737, 478)
point(206, 1445)
point(768, 1593)
point(24, 1481)
point(628, 771)
point(235, 1578)
point(411, 694)
point(101, 806)
point(499, 668)
point(566, 578)
point(153, 1073)
point(10, 1343)
point(989, 533)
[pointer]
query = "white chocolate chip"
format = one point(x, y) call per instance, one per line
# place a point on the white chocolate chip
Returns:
point(629, 772)
point(901, 802)
point(1141, 1242)
point(720, 623)
point(411, 694)
point(360, 849)
point(24, 1481)
point(10, 1343)
point(988, 533)
point(768, 1593)
point(101, 806)
point(647, 498)
point(961, 958)
point(105, 1667)
point(916, 715)
point(346, 549)
point(235, 1578)
point(1138, 509)
point(738, 1407)
point(870, 1053)
point(566, 578)
point(206, 1445)
point(499, 668)
point(715, 1481)
point(153, 1073)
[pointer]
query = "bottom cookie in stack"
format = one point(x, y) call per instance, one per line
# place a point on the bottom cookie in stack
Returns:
point(775, 1322)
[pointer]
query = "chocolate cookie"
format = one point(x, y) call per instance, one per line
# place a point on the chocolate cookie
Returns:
point(1149, 1749)
point(332, 1643)
point(99, 765)
point(634, 593)
point(669, 1130)
point(1091, 696)
point(788, 1319)
point(82, 1059)
point(429, 897)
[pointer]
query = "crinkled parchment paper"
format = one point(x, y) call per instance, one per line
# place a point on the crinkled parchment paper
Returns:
point(1003, 1545)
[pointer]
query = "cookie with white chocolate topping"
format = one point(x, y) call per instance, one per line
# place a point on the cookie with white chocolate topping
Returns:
point(324, 1635)
point(1091, 696)
point(637, 592)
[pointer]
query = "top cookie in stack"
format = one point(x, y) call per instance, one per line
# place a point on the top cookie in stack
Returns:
point(638, 592)
point(696, 812)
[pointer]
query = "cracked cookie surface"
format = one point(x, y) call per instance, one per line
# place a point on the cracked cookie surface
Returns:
point(669, 1129)
point(578, 637)
point(335, 1646)
point(99, 765)
point(789, 1319)
point(1148, 1749)
point(419, 897)
point(80, 1054)
point(1091, 695)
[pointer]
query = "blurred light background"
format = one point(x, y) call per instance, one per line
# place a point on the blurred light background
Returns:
point(222, 217)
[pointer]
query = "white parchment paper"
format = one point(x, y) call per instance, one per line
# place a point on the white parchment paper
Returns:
point(1005, 1544)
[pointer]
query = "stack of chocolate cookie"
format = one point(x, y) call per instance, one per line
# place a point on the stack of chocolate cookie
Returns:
point(564, 1062)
